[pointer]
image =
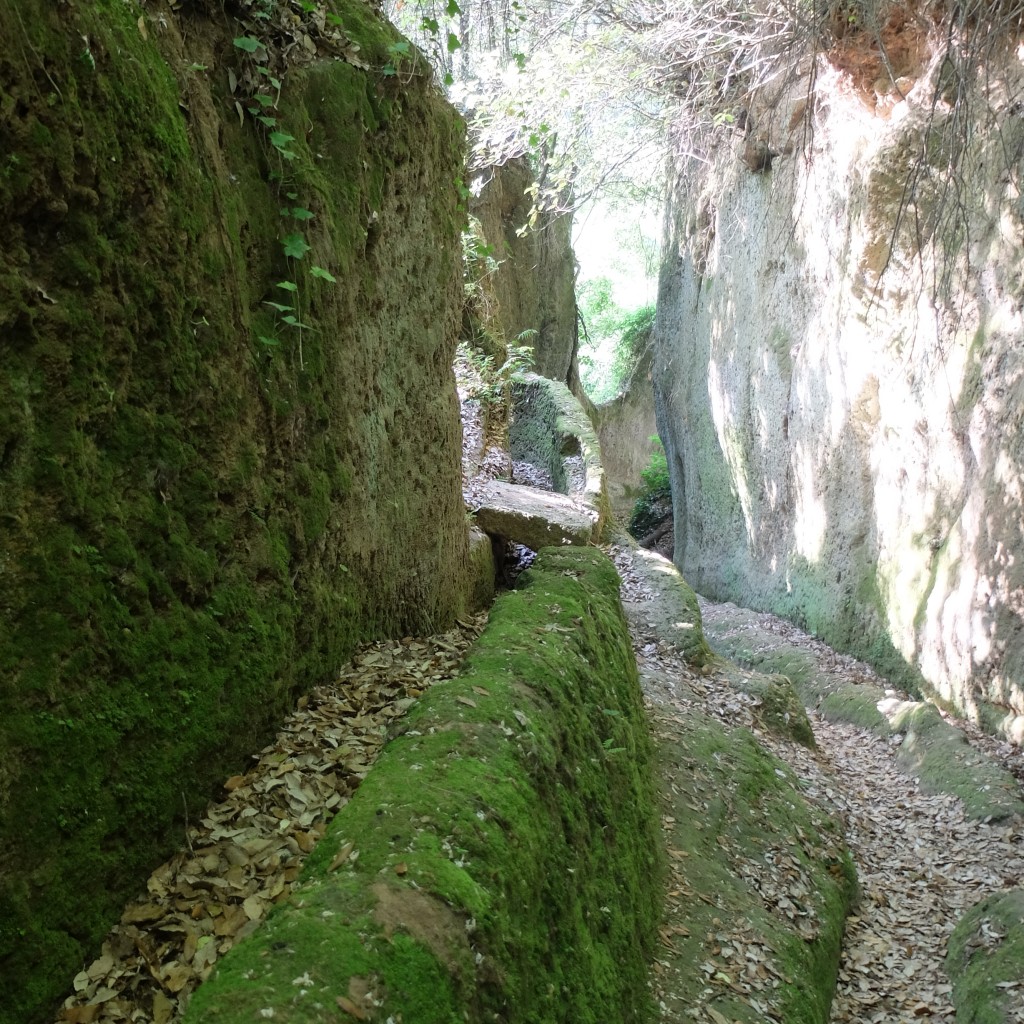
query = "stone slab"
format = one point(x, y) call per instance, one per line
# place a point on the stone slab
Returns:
point(530, 516)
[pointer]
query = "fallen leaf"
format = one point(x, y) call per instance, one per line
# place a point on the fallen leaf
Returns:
point(80, 1014)
point(163, 1008)
point(341, 856)
point(254, 908)
point(351, 1009)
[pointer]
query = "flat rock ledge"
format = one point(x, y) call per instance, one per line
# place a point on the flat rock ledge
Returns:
point(531, 516)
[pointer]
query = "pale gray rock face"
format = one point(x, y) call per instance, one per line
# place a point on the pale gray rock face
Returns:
point(532, 517)
point(625, 426)
point(844, 420)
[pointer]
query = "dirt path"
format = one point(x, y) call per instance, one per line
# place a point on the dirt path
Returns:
point(920, 862)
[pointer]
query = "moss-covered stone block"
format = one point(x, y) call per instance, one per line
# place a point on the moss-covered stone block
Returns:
point(778, 708)
point(501, 860)
point(986, 960)
point(762, 876)
point(549, 425)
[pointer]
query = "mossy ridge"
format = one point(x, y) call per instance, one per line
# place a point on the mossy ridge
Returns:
point(733, 802)
point(520, 798)
point(175, 502)
point(934, 752)
point(986, 959)
point(675, 615)
point(941, 758)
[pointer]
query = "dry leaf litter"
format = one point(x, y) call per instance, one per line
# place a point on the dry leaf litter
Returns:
point(920, 862)
point(245, 853)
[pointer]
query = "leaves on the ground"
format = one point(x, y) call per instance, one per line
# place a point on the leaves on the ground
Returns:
point(243, 856)
point(920, 862)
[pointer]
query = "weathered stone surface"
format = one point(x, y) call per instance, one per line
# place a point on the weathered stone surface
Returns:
point(551, 430)
point(841, 409)
point(532, 293)
point(625, 426)
point(530, 516)
point(482, 569)
point(986, 960)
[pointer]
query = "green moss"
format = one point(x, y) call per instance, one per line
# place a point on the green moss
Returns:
point(857, 705)
point(932, 751)
point(532, 435)
point(986, 959)
point(502, 855)
point(944, 762)
point(854, 624)
point(548, 425)
point(675, 617)
point(737, 813)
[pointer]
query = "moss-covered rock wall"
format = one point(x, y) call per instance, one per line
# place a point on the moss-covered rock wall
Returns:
point(196, 524)
point(500, 861)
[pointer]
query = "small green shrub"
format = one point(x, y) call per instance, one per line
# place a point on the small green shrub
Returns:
point(487, 382)
point(655, 501)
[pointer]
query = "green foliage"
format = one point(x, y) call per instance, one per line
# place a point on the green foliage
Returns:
point(293, 245)
point(655, 476)
point(477, 256)
point(613, 340)
point(397, 51)
point(655, 500)
point(488, 382)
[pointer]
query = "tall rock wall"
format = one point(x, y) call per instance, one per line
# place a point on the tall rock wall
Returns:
point(202, 507)
point(532, 293)
point(841, 400)
point(625, 426)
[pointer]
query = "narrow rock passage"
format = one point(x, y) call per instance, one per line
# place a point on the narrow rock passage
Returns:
point(920, 862)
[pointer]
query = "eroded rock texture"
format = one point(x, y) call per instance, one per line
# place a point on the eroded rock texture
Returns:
point(202, 508)
point(840, 382)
